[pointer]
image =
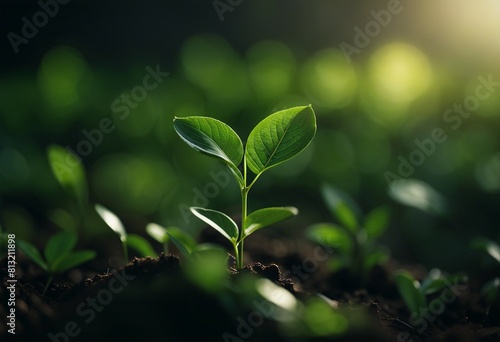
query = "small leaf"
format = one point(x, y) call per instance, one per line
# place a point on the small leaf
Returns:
point(74, 259)
point(182, 236)
point(330, 235)
point(265, 217)
point(341, 206)
point(140, 245)
point(185, 250)
point(420, 195)
point(280, 137)
point(112, 221)
point(219, 221)
point(68, 170)
point(59, 246)
point(376, 222)
point(376, 257)
point(157, 232)
point(491, 289)
point(489, 246)
point(210, 136)
point(408, 289)
point(32, 253)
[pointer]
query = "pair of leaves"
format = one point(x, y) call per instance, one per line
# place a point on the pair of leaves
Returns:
point(274, 140)
point(183, 241)
point(134, 241)
point(255, 221)
point(347, 213)
point(58, 253)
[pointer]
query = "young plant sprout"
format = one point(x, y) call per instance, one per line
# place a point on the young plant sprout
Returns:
point(58, 255)
point(491, 288)
point(276, 139)
point(136, 242)
point(414, 292)
point(354, 242)
point(161, 234)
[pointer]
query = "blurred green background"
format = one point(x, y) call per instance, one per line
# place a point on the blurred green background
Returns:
point(264, 56)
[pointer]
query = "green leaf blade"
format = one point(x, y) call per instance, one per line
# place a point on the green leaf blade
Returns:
point(59, 246)
point(219, 221)
point(280, 137)
point(184, 249)
point(140, 245)
point(265, 217)
point(210, 136)
point(74, 259)
point(376, 222)
point(157, 232)
point(489, 246)
point(112, 221)
point(33, 253)
point(330, 235)
point(341, 206)
point(407, 287)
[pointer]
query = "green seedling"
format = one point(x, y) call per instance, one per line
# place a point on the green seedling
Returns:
point(276, 139)
point(161, 234)
point(355, 243)
point(58, 255)
point(414, 293)
point(491, 289)
point(136, 242)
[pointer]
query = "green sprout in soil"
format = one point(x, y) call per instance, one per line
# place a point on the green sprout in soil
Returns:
point(355, 243)
point(414, 293)
point(162, 235)
point(276, 139)
point(134, 241)
point(491, 288)
point(58, 255)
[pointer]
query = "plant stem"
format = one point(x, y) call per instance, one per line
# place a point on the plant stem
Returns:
point(47, 285)
point(244, 200)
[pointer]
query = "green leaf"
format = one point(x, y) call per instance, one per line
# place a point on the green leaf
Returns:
point(279, 137)
point(491, 289)
point(409, 291)
point(489, 246)
point(157, 232)
point(212, 137)
point(219, 221)
point(208, 267)
point(420, 195)
point(185, 250)
point(376, 257)
point(330, 235)
point(32, 253)
point(59, 246)
point(68, 171)
point(341, 206)
point(112, 221)
point(140, 245)
point(74, 259)
point(265, 217)
point(182, 236)
point(376, 222)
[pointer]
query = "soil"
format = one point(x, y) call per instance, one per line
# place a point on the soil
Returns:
point(151, 300)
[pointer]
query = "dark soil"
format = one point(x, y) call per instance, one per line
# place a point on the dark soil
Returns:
point(151, 300)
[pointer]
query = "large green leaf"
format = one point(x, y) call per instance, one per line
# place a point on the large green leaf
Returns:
point(72, 260)
point(210, 136)
point(341, 206)
point(376, 222)
point(331, 235)
point(219, 221)
point(409, 291)
point(140, 245)
point(68, 170)
point(59, 246)
point(279, 137)
point(112, 221)
point(265, 217)
point(32, 253)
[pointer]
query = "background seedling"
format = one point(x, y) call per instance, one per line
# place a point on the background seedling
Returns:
point(136, 242)
point(355, 243)
point(491, 288)
point(274, 140)
point(58, 255)
point(414, 292)
point(161, 234)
